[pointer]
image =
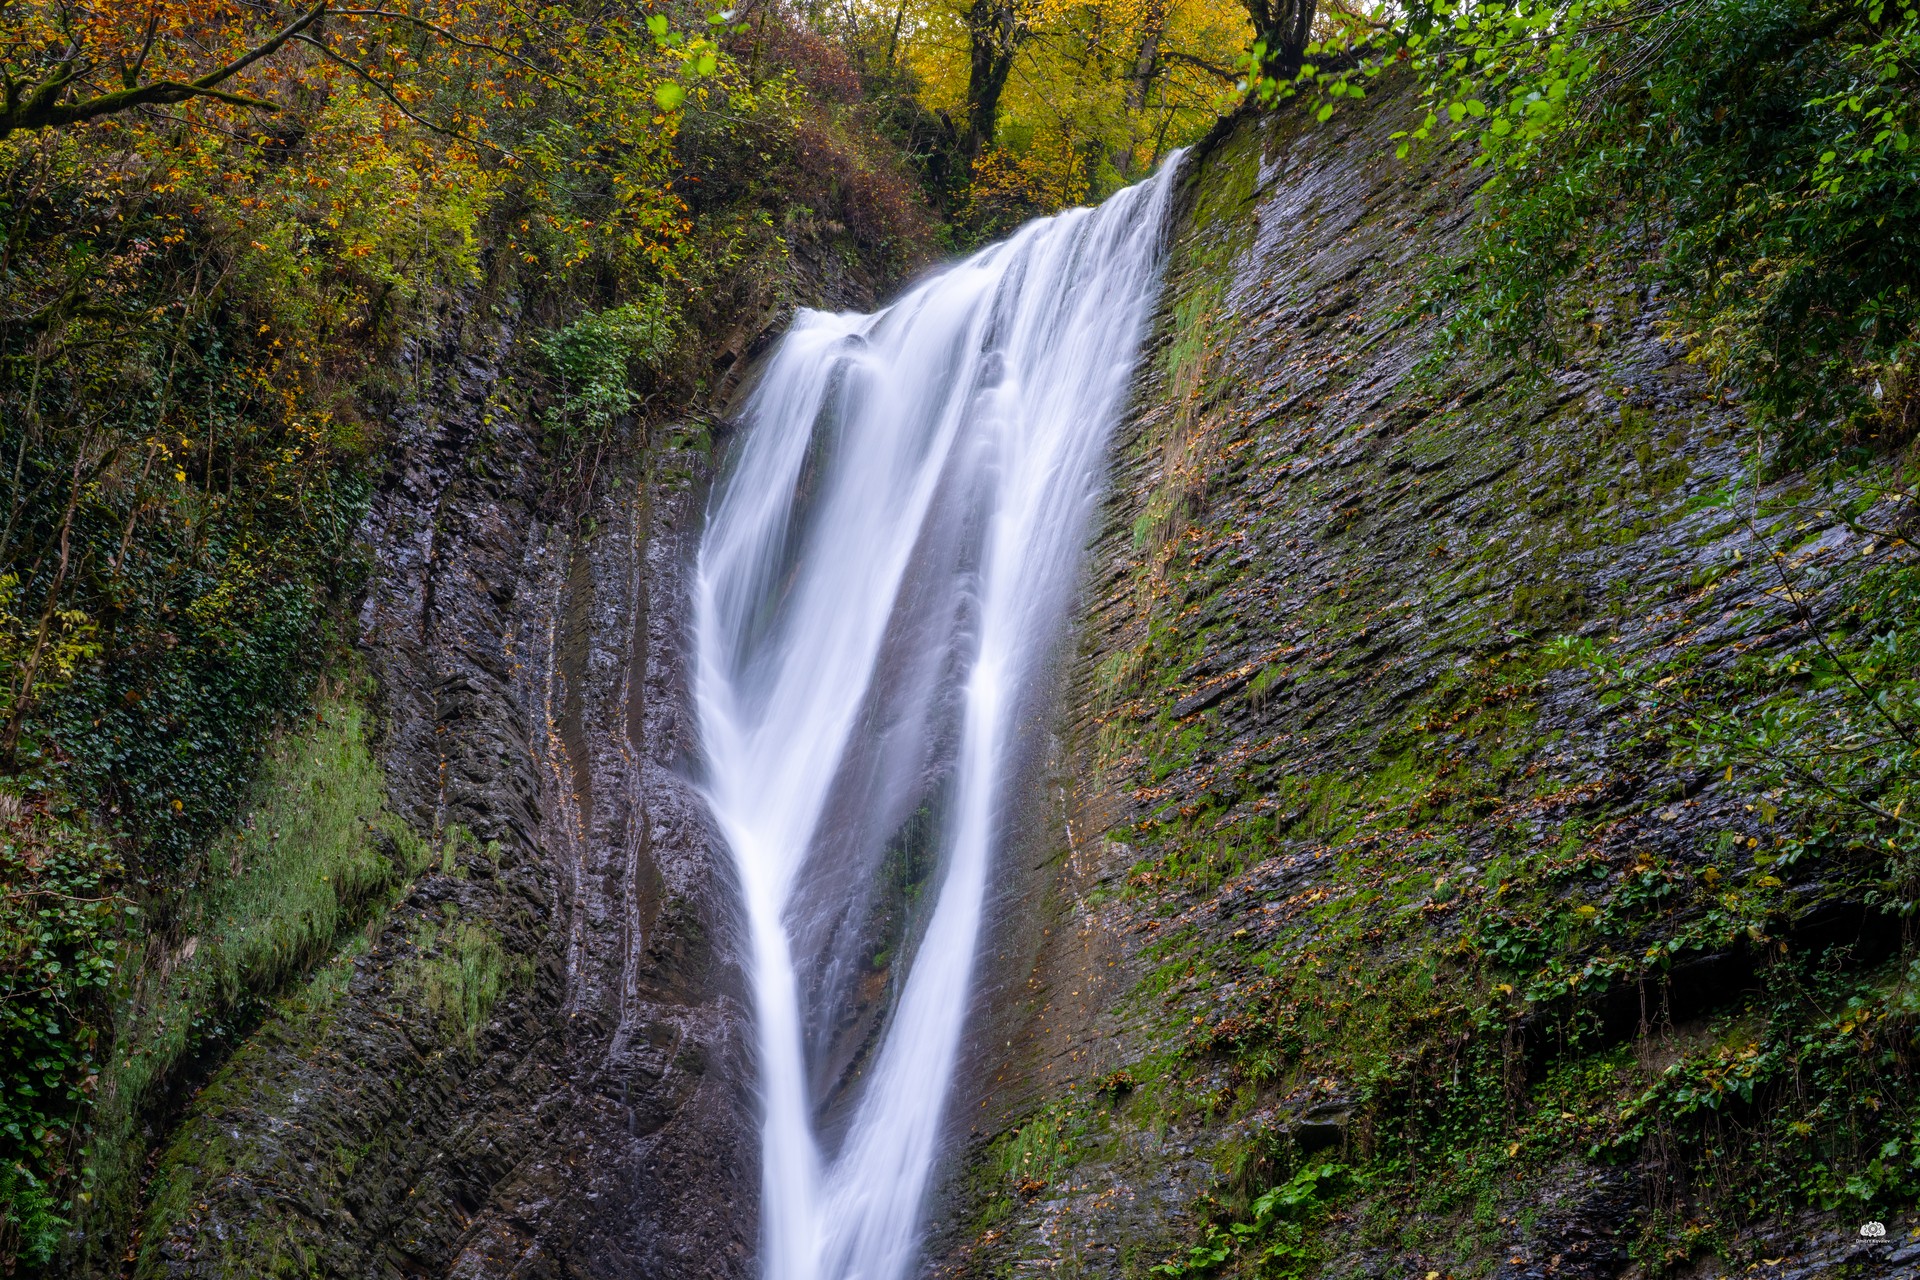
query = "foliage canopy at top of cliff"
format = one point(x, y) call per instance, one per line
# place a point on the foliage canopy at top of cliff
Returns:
point(1014, 108)
point(1762, 155)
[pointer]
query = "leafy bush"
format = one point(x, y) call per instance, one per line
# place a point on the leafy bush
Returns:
point(597, 356)
point(1272, 1238)
point(1759, 153)
point(60, 925)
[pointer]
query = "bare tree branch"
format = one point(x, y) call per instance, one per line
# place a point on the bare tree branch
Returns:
point(481, 46)
point(1211, 68)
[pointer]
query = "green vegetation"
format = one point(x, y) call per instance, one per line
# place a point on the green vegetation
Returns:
point(459, 971)
point(314, 857)
point(1494, 981)
point(62, 925)
point(1482, 1024)
point(597, 356)
point(1756, 158)
point(1758, 154)
point(1273, 1231)
point(202, 1151)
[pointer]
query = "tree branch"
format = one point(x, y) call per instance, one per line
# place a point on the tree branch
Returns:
point(480, 45)
point(373, 82)
point(42, 108)
point(1225, 73)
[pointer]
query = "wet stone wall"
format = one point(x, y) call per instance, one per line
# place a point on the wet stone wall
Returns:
point(534, 1067)
point(1314, 706)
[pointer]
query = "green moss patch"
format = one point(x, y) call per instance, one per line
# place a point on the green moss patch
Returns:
point(314, 857)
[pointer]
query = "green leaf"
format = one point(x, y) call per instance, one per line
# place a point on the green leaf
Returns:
point(669, 96)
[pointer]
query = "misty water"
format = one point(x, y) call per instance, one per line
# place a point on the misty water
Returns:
point(879, 594)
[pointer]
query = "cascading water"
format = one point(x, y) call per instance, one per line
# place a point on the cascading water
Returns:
point(879, 587)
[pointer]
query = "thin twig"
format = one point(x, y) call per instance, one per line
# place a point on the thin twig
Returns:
point(1787, 763)
point(381, 89)
point(1806, 620)
point(480, 45)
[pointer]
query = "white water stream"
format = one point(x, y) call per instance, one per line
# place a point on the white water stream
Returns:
point(878, 594)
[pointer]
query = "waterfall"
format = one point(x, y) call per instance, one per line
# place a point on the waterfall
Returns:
point(878, 593)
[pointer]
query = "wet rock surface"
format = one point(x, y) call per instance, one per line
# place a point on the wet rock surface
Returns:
point(598, 1123)
point(536, 1064)
point(1321, 530)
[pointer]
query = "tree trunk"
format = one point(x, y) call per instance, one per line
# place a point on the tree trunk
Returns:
point(994, 32)
point(893, 43)
point(1146, 64)
point(1148, 59)
point(1285, 26)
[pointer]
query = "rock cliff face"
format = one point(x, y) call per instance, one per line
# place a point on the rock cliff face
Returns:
point(1316, 718)
point(591, 1116)
point(531, 1061)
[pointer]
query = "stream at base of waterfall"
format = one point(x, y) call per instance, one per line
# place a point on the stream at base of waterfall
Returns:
point(878, 602)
